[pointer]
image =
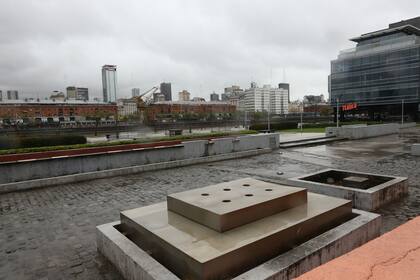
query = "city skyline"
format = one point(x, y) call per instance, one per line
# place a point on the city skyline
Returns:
point(42, 57)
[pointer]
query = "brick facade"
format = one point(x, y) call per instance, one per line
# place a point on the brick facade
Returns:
point(32, 111)
point(172, 108)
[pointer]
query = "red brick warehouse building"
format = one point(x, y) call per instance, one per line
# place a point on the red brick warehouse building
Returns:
point(54, 111)
point(171, 108)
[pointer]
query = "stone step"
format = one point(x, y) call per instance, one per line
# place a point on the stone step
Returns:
point(306, 139)
point(310, 142)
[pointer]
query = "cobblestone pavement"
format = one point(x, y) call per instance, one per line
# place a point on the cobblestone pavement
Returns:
point(50, 233)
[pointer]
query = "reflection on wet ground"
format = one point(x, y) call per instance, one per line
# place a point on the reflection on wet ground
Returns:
point(365, 148)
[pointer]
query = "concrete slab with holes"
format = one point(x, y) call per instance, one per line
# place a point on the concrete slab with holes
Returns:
point(231, 230)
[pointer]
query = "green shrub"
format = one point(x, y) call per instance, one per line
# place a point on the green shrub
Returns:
point(40, 141)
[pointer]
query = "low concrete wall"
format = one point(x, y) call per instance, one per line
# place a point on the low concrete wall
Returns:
point(415, 149)
point(360, 131)
point(52, 181)
point(32, 170)
point(408, 125)
point(394, 255)
point(132, 262)
point(331, 131)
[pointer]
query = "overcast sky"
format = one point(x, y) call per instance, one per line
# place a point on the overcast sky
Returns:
point(201, 46)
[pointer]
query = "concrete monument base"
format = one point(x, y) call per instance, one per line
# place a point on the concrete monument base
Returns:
point(135, 264)
point(231, 229)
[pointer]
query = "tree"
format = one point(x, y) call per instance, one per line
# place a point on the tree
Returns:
point(258, 116)
point(97, 117)
point(325, 110)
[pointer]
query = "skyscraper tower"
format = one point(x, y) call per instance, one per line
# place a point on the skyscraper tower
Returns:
point(165, 89)
point(135, 92)
point(285, 86)
point(109, 83)
point(12, 95)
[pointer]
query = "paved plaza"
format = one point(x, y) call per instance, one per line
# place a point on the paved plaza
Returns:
point(49, 233)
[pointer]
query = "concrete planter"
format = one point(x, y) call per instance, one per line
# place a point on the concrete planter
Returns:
point(366, 199)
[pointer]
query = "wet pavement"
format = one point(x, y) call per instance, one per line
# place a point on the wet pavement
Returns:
point(49, 233)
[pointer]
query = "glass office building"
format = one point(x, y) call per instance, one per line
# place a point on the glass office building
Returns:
point(109, 83)
point(381, 74)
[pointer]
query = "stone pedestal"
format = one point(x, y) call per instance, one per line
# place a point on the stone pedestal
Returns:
point(223, 230)
point(246, 228)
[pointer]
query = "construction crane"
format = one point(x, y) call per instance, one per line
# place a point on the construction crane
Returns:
point(143, 100)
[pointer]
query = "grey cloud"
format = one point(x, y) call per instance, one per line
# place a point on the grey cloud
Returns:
point(201, 46)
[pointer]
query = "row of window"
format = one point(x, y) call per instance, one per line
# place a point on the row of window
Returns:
point(384, 96)
point(376, 60)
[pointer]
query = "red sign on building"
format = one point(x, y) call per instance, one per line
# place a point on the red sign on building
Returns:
point(350, 106)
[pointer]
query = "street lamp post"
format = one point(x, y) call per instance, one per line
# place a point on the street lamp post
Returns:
point(301, 119)
point(268, 116)
point(338, 112)
point(402, 111)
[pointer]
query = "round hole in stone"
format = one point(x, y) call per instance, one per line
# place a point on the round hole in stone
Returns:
point(268, 190)
point(246, 185)
point(249, 194)
point(205, 194)
point(226, 200)
point(226, 190)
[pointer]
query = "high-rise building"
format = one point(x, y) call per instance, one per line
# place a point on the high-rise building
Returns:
point(135, 92)
point(82, 93)
point(233, 89)
point(314, 99)
point(159, 97)
point(127, 107)
point(77, 93)
point(232, 95)
point(12, 95)
point(214, 97)
point(198, 99)
point(165, 89)
point(71, 92)
point(225, 96)
point(257, 99)
point(1, 96)
point(285, 86)
point(381, 75)
point(58, 96)
point(184, 95)
point(109, 83)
